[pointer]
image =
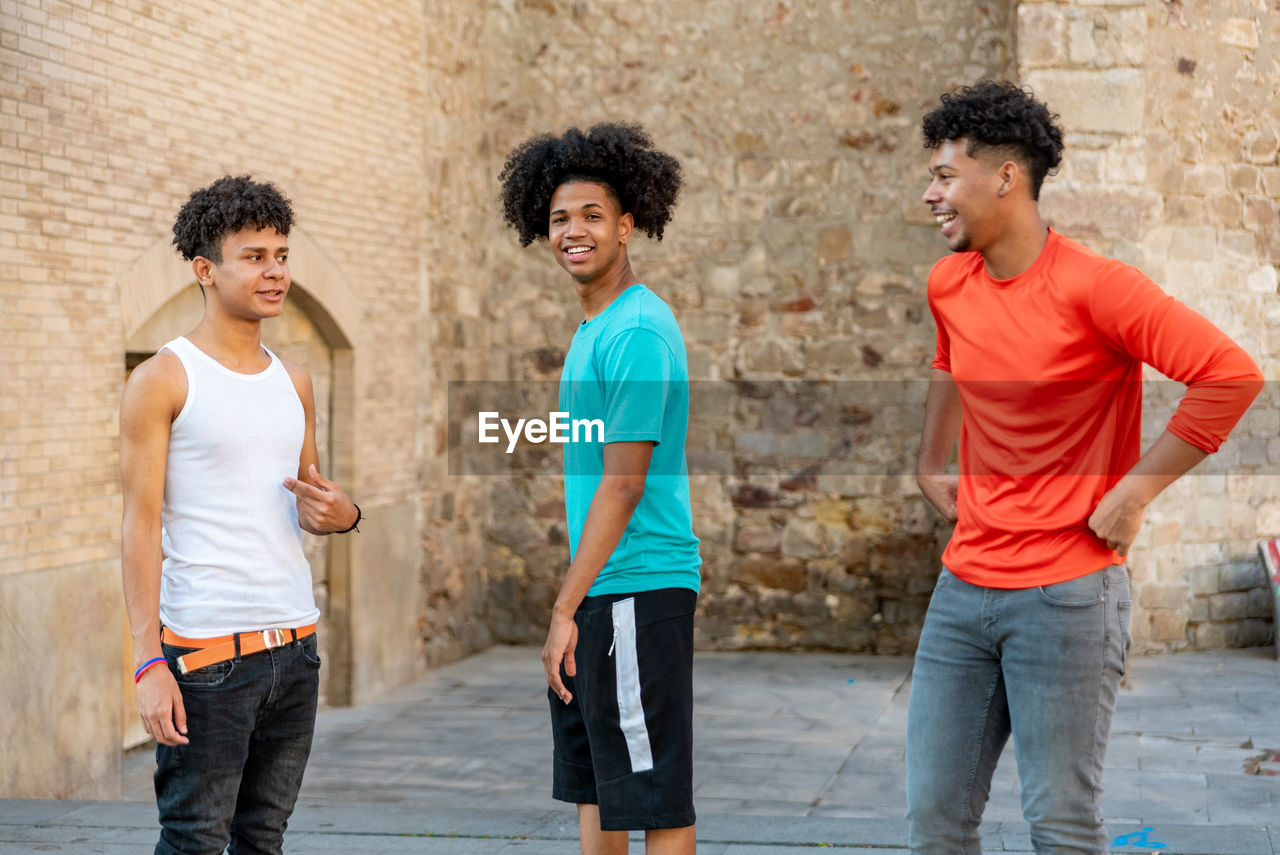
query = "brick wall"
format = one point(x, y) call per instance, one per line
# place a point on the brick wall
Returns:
point(110, 114)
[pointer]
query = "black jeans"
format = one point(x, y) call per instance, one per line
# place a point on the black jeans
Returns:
point(250, 723)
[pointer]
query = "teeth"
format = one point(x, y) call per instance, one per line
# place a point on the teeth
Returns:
point(943, 219)
point(578, 250)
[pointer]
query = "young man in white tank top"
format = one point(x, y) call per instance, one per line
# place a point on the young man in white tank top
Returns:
point(218, 454)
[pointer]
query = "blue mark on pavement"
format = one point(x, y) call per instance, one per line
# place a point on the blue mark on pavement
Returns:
point(1138, 840)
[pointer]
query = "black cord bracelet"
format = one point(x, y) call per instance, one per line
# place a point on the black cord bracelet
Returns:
point(355, 526)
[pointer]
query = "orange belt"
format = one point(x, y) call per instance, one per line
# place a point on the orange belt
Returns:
point(211, 651)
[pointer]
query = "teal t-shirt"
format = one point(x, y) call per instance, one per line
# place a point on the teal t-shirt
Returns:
point(627, 368)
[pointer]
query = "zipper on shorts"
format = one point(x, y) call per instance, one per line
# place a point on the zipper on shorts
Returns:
point(613, 643)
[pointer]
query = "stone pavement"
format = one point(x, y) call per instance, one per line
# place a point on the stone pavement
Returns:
point(794, 752)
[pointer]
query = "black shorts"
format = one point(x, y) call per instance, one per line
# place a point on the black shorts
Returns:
point(625, 741)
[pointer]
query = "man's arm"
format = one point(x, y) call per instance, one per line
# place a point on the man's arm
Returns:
point(1222, 380)
point(323, 507)
point(1120, 511)
point(152, 398)
point(942, 412)
point(615, 500)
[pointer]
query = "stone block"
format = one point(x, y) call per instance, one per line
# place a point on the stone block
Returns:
point(806, 539)
point(1260, 214)
point(1225, 210)
point(1165, 627)
point(1261, 604)
point(1244, 178)
point(1183, 210)
point(1041, 29)
point(1099, 212)
point(1107, 101)
point(1084, 167)
point(778, 573)
point(1081, 46)
point(384, 594)
point(1228, 607)
point(1127, 162)
point(1269, 519)
point(1164, 596)
point(1261, 148)
point(834, 244)
point(1198, 610)
point(1271, 180)
point(757, 538)
point(1204, 580)
point(1202, 179)
point(1242, 576)
point(1209, 636)
point(772, 356)
point(1195, 243)
point(1239, 32)
point(1248, 633)
point(1263, 280)
point(61, 737)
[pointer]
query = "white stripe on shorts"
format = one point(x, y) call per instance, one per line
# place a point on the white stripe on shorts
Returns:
point(627, 665)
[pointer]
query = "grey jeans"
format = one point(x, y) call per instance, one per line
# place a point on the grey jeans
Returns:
point(1041, 664)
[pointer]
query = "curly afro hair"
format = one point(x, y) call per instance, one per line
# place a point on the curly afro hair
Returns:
point(225, 207)
point(991, 115)
point(621, 157)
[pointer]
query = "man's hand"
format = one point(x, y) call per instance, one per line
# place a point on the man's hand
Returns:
point(941, 491)
point(322, 508)
point(161, 708)
point(1117, 518)
point(562, 640)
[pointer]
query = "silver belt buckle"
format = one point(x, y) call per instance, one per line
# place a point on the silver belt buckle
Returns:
point(274, 638)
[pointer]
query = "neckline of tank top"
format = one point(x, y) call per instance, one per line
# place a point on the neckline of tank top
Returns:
point(213, 363)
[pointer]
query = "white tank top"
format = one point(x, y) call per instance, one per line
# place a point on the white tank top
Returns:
point(232, 545)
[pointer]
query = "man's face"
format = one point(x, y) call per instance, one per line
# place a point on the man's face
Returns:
point(253, 277)
point(963, 196)
point(587, 231)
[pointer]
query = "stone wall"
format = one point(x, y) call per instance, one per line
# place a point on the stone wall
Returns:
point(1171, 115)
point(799, 251)
point(795, 265)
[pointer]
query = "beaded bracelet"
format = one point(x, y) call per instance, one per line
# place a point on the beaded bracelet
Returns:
point(137, 675)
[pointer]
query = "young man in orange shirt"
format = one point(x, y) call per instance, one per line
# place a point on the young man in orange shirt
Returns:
point(1038, 375)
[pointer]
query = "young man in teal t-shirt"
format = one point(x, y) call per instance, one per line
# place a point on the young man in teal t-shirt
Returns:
point(619, 651)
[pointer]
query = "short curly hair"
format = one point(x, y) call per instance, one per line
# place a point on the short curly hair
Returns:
point(225, 207)
point(617, 155)
point(991, 115)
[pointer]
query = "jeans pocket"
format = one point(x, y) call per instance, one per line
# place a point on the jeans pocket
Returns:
point(1078, 593)
point(310, 649)
point(208, 677)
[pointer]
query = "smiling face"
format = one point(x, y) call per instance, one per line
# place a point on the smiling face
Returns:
point(588, 231)
point(251, 281)
point(964, 196)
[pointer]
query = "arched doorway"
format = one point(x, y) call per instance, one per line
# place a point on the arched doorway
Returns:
point(305, 333)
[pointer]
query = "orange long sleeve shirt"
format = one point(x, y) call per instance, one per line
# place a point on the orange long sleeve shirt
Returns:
point(1048, 366)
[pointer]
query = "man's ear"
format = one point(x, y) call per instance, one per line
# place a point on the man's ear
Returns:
point(1010, 175)
point(626, 227)
point(203, 269)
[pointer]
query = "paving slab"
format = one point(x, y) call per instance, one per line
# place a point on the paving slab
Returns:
point(794, 752)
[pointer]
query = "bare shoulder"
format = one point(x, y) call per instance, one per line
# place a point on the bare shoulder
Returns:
point(301, 379)
point(157, 385)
